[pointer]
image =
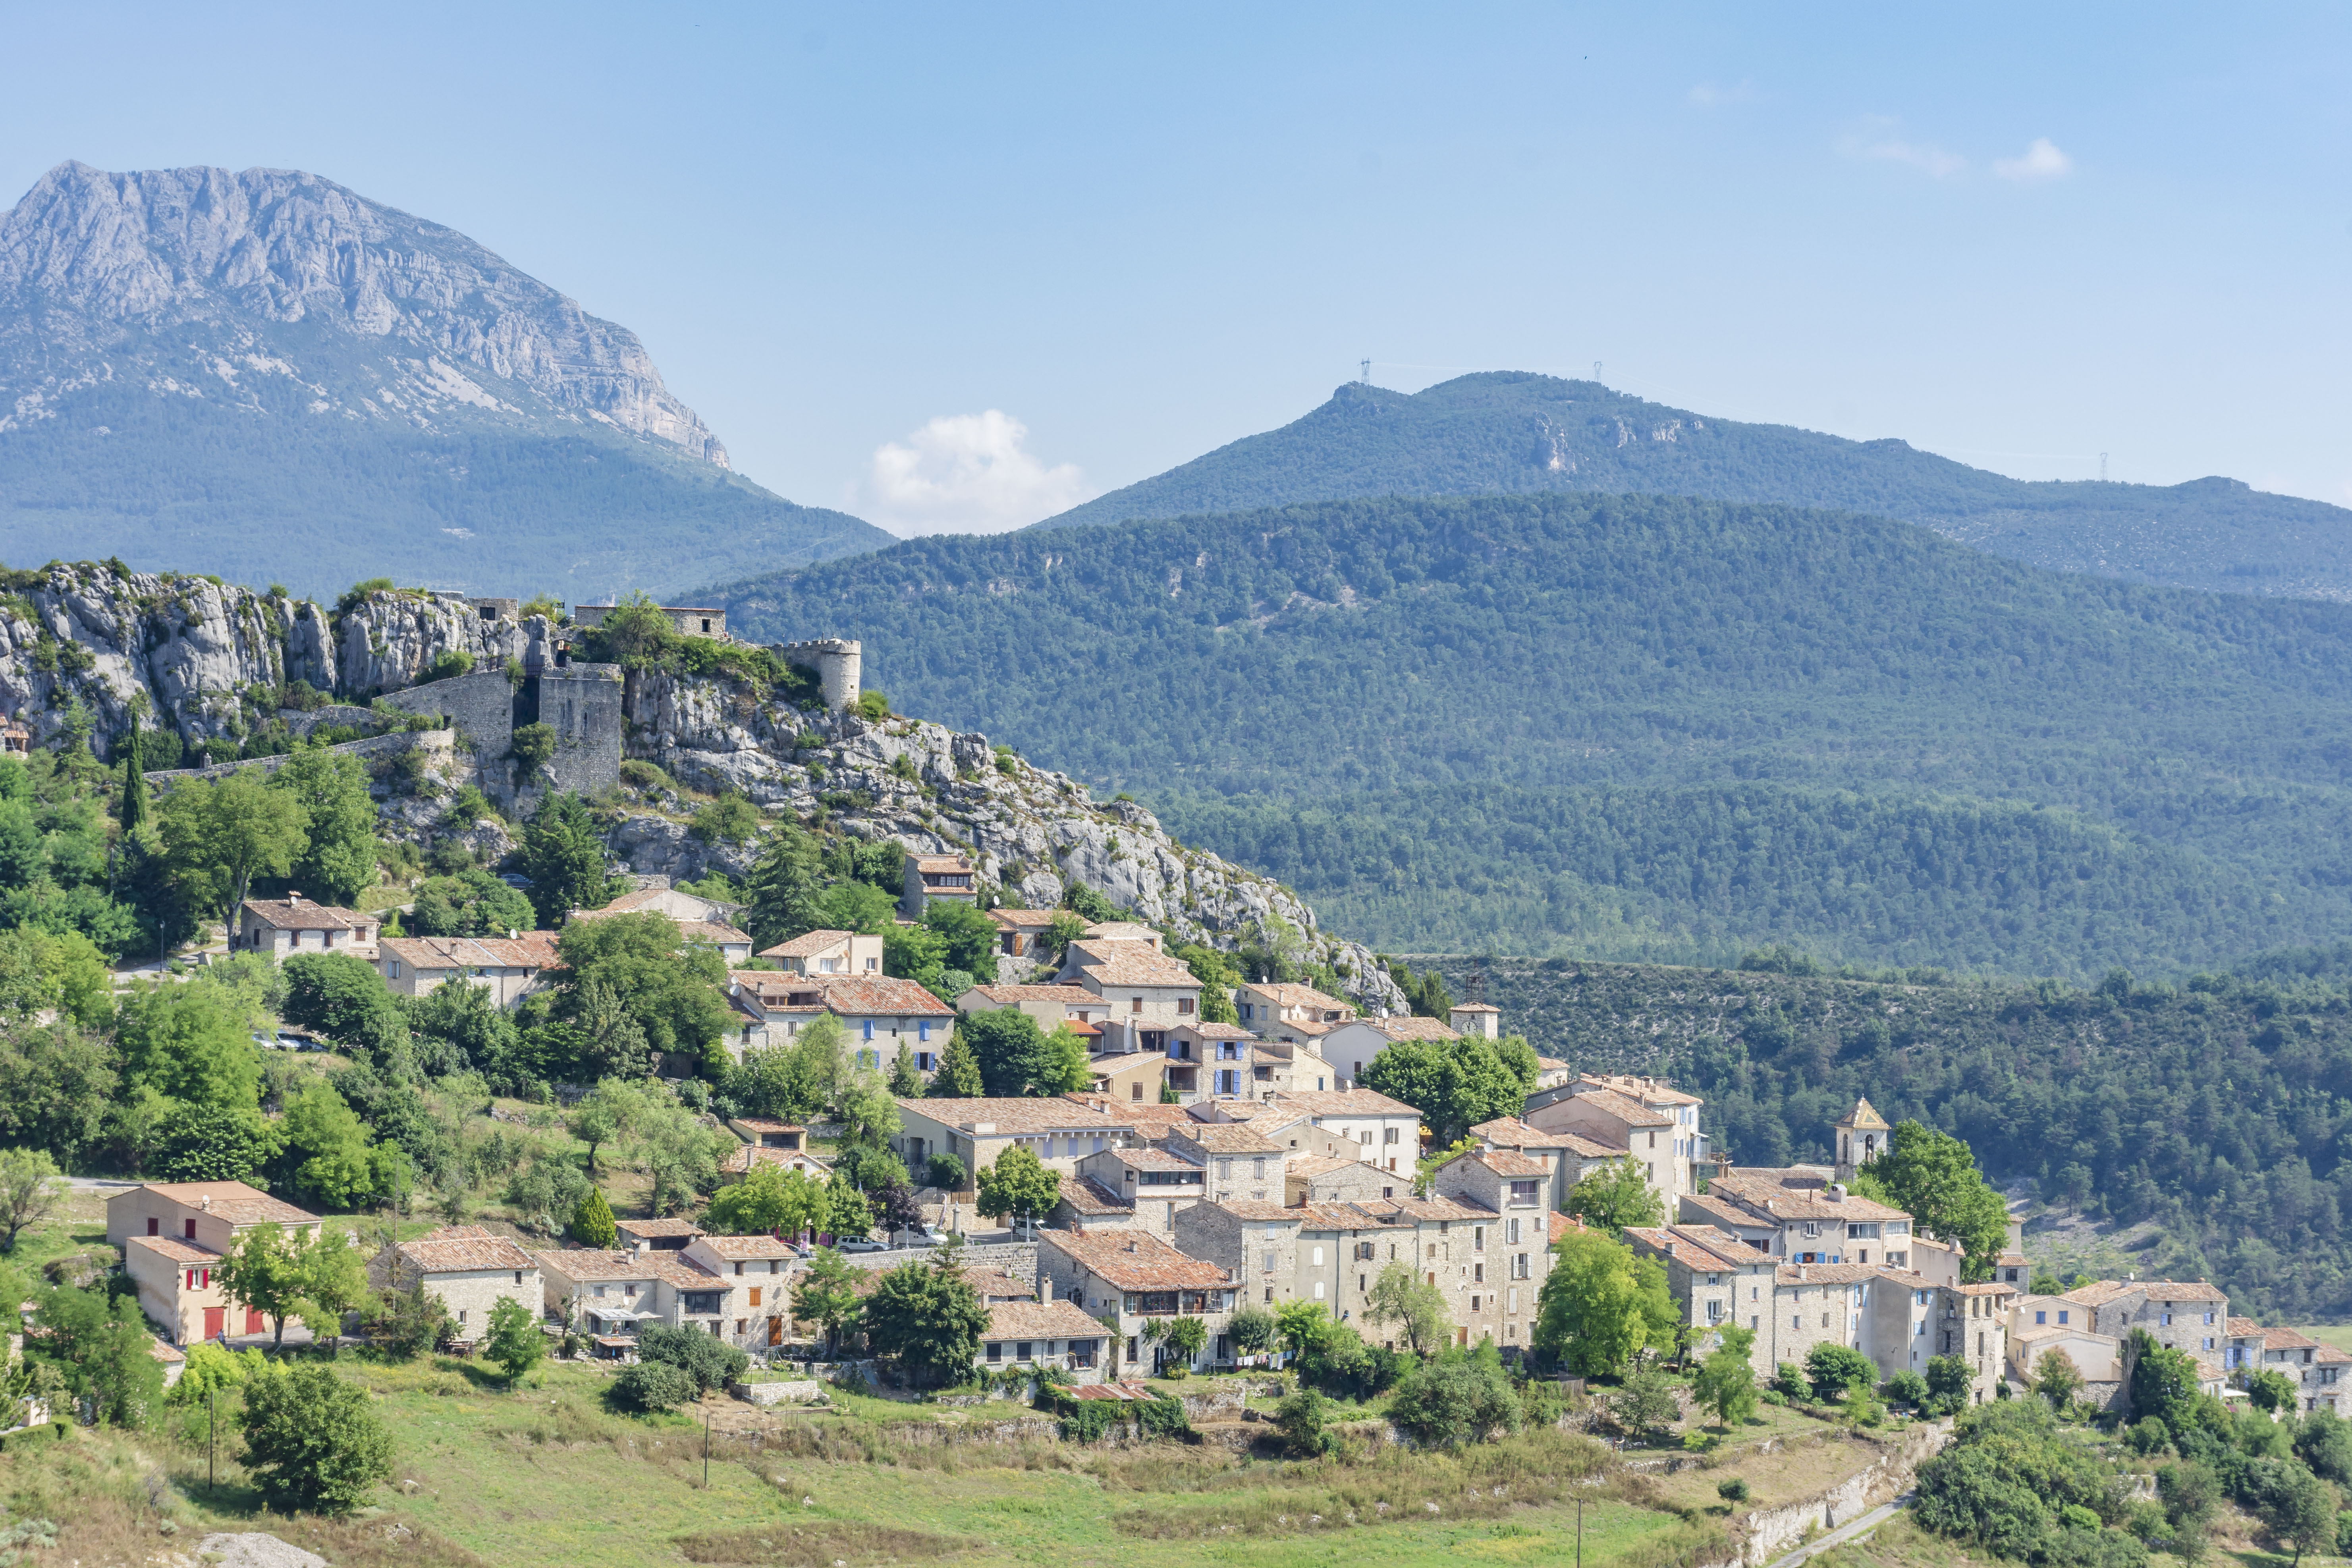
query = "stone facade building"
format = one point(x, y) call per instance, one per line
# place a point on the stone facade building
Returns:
point(471, 1270)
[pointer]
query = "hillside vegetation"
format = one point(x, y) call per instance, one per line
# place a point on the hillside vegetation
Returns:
point(1690, 726)
point(2220, 1110)
point(1517, 431)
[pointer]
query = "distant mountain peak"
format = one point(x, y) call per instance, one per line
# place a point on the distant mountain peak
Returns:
point(92, 259)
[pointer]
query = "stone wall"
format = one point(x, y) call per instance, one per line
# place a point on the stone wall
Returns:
point(583, 704)
point(436, 740)
point(1016, 1259)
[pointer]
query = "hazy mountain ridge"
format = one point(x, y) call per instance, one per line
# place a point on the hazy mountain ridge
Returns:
point(196, 365)
point(1512, 431)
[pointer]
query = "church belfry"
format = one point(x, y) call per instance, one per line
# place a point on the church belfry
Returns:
point(1861, 1137)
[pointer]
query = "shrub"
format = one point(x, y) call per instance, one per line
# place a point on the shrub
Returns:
point(1834, 1370)
point(730, 819)
point(644, 776)
point(1304, 1421)
point(1789, 1380)
point(653, 1386)
point(1460, 1395)
point(709, 1361)
point(532, 745)
point(447, 664)
point(1733, 1490)
point(873, 705)
point(2148, 1437)
point(311, 1441)
point(1907, 1388)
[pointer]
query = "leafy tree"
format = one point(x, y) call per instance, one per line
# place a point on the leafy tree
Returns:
point(680, 1155)
point(1590, 1315)
point(847, 1212)
point(213, 1143)
point(338, 861)
point(710, 1361)
point(959, 1076)
point(1907, 1387)
point(785, 888)
point(2057, 1379)
point(768, 1200)
point(1252, 1328)
point(674, 996)
point(905, 1080)
point(860, 907)
point(342, 997)
point(1182, 1337)
point(1017, 1184)
point(591, 1220)
point(926, 1317)
point(2163, 1383)
point(312, 1442)
point(1616, 1194)
point(31, 1191)
point(1727, 1380)
point(1833, 1370)
point(103, 1346)
point(2271, 1389)
point(404, 1324)
point(564, 856)
point(1454, 1084)
point(59, 1088)
point(514, 1341)
point(459, 1028)
point(2325, 1443)
point(1012, 1053)
point(230, 831)
point(326, 1149)
point(191, 1042)
point(1402, 1296)
point(1302, 1325)
point(331, 1279)
point(654, 1386)
point(730, 819)
point(1950, 1381)
point(1646, 1402)
point(263, 1269)
point(2302, 1511)
point(827, 1296)
point(1933, 1177)
point(1304, 1419)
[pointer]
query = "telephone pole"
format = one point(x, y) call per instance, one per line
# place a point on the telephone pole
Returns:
point(1367, 376)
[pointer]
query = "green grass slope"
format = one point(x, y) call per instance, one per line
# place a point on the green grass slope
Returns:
point(263, 488)
point(1653, 727)
point(1512, 431)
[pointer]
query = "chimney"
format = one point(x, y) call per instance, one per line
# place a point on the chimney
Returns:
point(1044, 1286)
point(292, 897)
point(1131, 1244)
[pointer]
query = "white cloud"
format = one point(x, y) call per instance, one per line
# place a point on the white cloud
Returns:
point(966, 473)
point(1875, 141)
point(2042, 161)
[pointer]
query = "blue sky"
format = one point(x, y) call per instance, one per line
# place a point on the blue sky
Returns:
point(958, 267)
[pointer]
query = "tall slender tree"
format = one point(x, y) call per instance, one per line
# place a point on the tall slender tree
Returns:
point(133, 810)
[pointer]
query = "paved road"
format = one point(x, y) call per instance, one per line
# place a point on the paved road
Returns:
point(1843, 1533)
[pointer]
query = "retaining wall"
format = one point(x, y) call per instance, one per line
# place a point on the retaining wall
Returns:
point(440, 740)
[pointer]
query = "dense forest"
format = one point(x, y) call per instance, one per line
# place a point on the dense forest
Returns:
point(267, 490)
point(1515, 431)
point(1892, 738)
point(2220, 1108)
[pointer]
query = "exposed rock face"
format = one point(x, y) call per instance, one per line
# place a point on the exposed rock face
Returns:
point(389, 639)
point(181, 653)
point(159, 246)
point(1029, 832)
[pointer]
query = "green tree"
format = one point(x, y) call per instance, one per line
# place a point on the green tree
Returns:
point(905, 1081)
point(332, 1279)
point(1304, 1420)
point(1402, 1296)
point(59, 1092)
point(564, 856)
point(1835, 1371)
point(654, 1386)
point(1011, 1052)
point(1726, 1382)
point(1616, 1194)
point(263, 1270)
point(925, 1316)
point(1064, 1065)
point(1590, 1315)
point(1183, 1338)
point(959, 1075)
point(404, 1324)
point(597, 1118)
point(1454, 1084)
point(31, 1191)
point(786, 888)
point(1017, 1184)
point(1950, 1381)
point(2271, 1389)
point(338, 861)
point(827, 1296)
point(673, 993)
point(860, 907)
point(1646, 1402)
point(710, 1361)
point(768, 1199)
point(2163, 1383)
point(312, 1442)
point(191, 1042)
point(2191, 1495)
point(730, 819)
point(2057, 1379)
point(1301, 1325)
point(327, 1148)
point(103, 1346)
point(229, 832)
point(847, 1215)
point(1252, 1328)
point(342, 997)
point(514, 1341)
point(591, 1220)
point(2301, 1512)
point(1933, 1177)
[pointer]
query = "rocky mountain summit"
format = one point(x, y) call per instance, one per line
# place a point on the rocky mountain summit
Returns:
point(89, 259)
point(267, 372)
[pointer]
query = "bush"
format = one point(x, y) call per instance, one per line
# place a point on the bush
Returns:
point(730, 819)
point(1460, 1395)
point(1789, 1380)
point(1304, 1421)
point(1733, 1490)
point(653, 1386)
point(1907, 1388)
point(2148, 1437)
point(2015, 1482)
point(711, 1362)
point(1833, 1370)
point(644, 776)
point(446, 665)
point(532, 745)
point(312, 1442)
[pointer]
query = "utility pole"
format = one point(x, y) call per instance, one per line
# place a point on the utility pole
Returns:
point(1580, 1532)
point(2102, 468)
point(1596, 370)
point(706, 1450)
point(211, 1436)
point(1367, 376)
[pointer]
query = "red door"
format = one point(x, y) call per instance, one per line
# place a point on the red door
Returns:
point(253, 1324)
point(215, 1320)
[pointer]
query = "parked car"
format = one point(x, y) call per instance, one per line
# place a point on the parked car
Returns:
point(926, 1236)
point(867, 1245)
point(266, 1042)
point(514, 880)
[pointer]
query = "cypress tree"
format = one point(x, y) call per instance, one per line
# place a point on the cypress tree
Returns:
point(133, 806)
point(959, 1074)
point(592, 1221)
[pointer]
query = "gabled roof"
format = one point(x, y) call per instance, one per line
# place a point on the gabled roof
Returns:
point(1505, 1163)
point(1055, 1320)
point(232, 1201)
point(849, 995)
point(1831, 1273)
point(178, 1249)
point(745, 1248)
point(301, 914)
point(1287, 993)
point(1510, 1132)
point(1022, 919)
point(647, 1229)
point(1131, 963)
point(1228, 1138)
point(2243, 1328)
point(1648, 1090)
point(1120, 930)
point(1089, 1197)
point(1633, 1113)
point(716, 933)
point(1701, 1247)
point(1135, 1260)
point(1214, 1031)
point(808, 944)
point(1412, 1026)
point(1014, 1117)
point(1012, 996)
point(2099, 1293)
point(465, 1248)
point(1341, 1102)
point(941, 865)
point(527, 950)
point(588, 1264)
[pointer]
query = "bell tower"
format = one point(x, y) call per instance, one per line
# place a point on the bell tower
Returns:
point(1861, 1137)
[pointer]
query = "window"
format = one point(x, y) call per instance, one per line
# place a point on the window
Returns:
point(155, 1226)
point(1257, 1169)
point(1135, 1005)
point(923, 1030)
point(1713, 1311)
point(755, 1295)
point(1269, 1262)
point(2061, 1317)
point(191, 1229)
point(1524, 1192)
point(1183, 1006)
point(1511, 1231)
point(1477, 1238)
point(1318, 1289)
point(1021, 1349)
point(869, 1028)
point(996, 1350)
point(1225, 1170)
point(2041, 1318)
point(1319, 1257)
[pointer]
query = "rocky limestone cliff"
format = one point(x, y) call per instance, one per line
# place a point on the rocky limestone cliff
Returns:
point(1028, 832)
point(387, 640)
point(88, 258)
point(182, 653)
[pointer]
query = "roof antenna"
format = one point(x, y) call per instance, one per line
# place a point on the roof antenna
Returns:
point(1596, 370)
point(1366, 377)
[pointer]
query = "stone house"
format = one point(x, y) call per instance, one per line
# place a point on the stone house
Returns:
point(687, 620)
point(1087, 1203)
point(1060, 1131)
point(664, 899)
point(172, 1235)
point(1573, 1156)
point(755, 1273)
point(1124, 1277)
point(1228, 1066)
point(1145, 1184)
point(615, 1294)
point(1718, 1279)
point(2098, 1357)
point(2178, 1314)
point(1385, 1131)
point(1023, 941)
point(948, 878)
point(741, 1161)
point(1320, 1178)
point(1145, 993)
point(284, 927)
point(1462, 1247)
point(1256, 1243)
point(767, 1133)
point(1803, 1223)
point(1266, 1005)
point(828, 953)
point(1287, 1067)
point(1050, 1005)
point(1139, 1078)
point(656, 1235)
point(882, 1013)
point(1349, 1044)
point(508, 968)
point(471, 1270)
point(1041, 1334)
point(1655, 1124)
point(1240, 1161)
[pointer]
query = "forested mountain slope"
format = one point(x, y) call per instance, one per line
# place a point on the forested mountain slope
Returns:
point(267, 376)
point(2217, 1110)
point(1688, 727)
point(1515, 431)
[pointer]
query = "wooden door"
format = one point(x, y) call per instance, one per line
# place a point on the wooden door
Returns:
point(775, 1331)
point(215, 1321)
point(253, 1324)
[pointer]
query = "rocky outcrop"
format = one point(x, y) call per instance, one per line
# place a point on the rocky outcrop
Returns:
point(186, 654)
point(387, 640)
point(1029, 833)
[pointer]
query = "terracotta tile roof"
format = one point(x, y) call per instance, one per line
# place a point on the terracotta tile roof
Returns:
point(2287, 1340)
point(2059, 1331)
point(993, 1286)
point(740, 1162)
point(1988, 1289)
point(1215, 1031)
point(745, 1248)
point(1412, 1026)
point(1089, 1197)
point(875, 995)
point(1831, 1273)
point(1717, 1210)
point(1720, 1244)
point(1133, 1112)
point(808, 944)
point(1781, 1205)
point(677, 1268)
point(1054, 1320)
point(1133, 1260)
point(1510, 1132)
point(179, 1251)
point(1132, 963)
point(1551, 1064)
point(1341, 1102)
point(1508, 1163)
point(2243, 1328)
point(589, 1266)
point(647, 1229)
point(1149, 1158)
point(1120, 930)
point(1012, 1118)
point(1228, 1138)
point(1361, 1213)
point(1245, 1208)
point(455, 1248)
point(1313, 1028)
point(1561, 1225)
point(232, 1201)
point(629, 903)
point(717, 932)
point(531, 950)
point(1648, 1090)
point(1285, 994)
point(1476, 1007)
point(1313, 1165)
point(1631, 1112)
point(2329, 1356)
point(1013, 995)
point(2099, 1293)
point(941, 863)
point(286, 914)
point(164, 1351)
point(1022, 919)
point(763, 1126)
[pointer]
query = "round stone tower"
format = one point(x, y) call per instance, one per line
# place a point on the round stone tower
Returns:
point(835, 662)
